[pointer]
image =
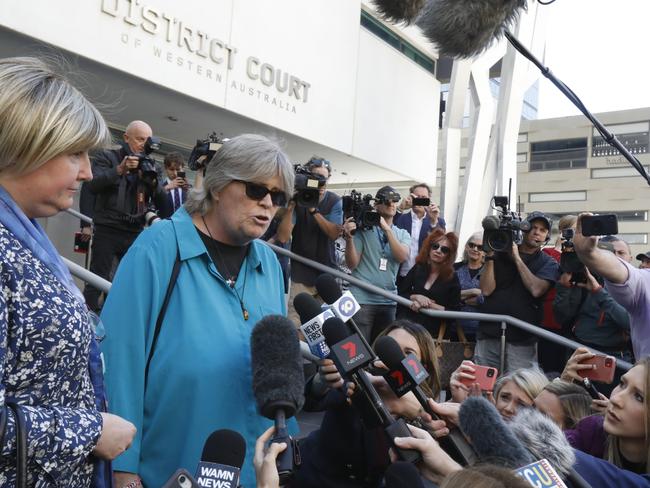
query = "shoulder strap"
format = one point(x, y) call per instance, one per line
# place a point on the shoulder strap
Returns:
point(161, 315)
point(21, 443)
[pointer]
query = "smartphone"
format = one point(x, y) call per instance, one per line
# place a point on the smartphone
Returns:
point(591, 389)
point(486, 376)
point(81, 243)
point(605, 368)
point(181, 479)
point(180, 174)
point(599, 225)
point(421, 202)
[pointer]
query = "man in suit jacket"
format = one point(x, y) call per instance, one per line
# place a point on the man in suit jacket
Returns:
point(418, 222)
point(174, 185)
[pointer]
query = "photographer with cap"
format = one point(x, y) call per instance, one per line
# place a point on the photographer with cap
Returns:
point(374, 255)
point(121, 196)
point(312, 232)
point(514, 283)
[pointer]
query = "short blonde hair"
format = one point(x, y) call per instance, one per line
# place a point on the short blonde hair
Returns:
point(43, 116)
point(532, 381)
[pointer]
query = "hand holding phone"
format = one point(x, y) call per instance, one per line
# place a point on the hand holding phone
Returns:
point(603, 368)
point(486, 377)
point(599, 225)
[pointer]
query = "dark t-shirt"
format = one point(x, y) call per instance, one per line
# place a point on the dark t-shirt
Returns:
point(511, 297)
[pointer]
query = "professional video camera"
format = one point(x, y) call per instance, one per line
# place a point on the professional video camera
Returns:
point(360, 209)
point(205, 147)
point(569, 261)
point(306, 186)
point(502, 230)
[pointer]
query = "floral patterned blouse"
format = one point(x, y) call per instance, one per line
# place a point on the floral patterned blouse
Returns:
point(45, 339)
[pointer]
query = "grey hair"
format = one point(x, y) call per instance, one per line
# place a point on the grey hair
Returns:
point(248, 157)
point(476, 235)
point(43, 116)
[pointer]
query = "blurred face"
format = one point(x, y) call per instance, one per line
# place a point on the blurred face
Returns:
point(407, 342)
point(172, 171)
point(136, 136)
point(510, 399)
point(386, 209)
point(625, 417)
point(237, 219)
point(439, 251)
point(622, 251)
point(321, 171)
point(474, 250)
point(50, 188)
point(549, 404)
point(537, 234)
point(645, 263)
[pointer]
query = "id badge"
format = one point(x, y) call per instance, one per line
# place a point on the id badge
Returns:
point(383, 264)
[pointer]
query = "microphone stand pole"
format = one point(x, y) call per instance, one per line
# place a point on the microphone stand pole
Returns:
point(608, 136)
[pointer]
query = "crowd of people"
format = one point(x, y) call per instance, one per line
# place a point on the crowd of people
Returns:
point(174, 363)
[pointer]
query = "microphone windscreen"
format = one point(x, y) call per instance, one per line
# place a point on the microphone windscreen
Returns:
point(335, 331)
point(543, 438)
point(306, 306)
point(491, 222)
point(401, 474)
point(224, 447)
point(399, 10)
point(328, 288)
point(492, 439)
point(389, 352)
point(465, 28)
point(278, 378)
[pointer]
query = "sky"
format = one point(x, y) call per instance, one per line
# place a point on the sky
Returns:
point(601, 50)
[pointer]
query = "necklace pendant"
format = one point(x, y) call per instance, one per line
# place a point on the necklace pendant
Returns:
point(245, 312)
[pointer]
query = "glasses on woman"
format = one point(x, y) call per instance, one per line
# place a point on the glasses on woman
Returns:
point(443, 249)
point(258, 192)
point(473, 245)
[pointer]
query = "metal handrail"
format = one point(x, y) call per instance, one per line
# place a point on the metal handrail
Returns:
point(105, 285)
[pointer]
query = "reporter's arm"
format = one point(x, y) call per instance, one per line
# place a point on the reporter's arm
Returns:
point(487, 281)
point(285, 228)
point(599, 261)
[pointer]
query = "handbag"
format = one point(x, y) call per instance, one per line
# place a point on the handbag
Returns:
point(451, 353)
point(21, 440)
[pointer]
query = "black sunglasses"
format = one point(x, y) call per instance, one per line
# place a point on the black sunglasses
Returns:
point(473, 245)
point(258, 192)
point(443, 249)
point(319, 162)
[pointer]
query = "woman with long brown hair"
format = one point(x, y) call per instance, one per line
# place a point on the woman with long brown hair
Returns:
point(432, 283)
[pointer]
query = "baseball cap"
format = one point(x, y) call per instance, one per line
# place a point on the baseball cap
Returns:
point(642, 256)
point(387, 194)
point(537, 215)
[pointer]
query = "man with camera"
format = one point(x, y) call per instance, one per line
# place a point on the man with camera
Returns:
point(125, 186)
point(514, 283)
point(374, 254)
point(419, 221)
point(175, 184)
point(629, 286)
point(312, 222)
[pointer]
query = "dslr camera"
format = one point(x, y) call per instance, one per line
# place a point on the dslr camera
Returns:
point(306, 186)
point(204, 150)
point(146, 163)
point(503, 230)
point(569, 261)
point(358, 207)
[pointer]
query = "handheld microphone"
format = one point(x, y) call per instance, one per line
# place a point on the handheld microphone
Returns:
point(222, 458)
point(312, 318)
point(278, 381)
point(350, 356)
point(401, 474)
point(465, 28)
point(405, 374)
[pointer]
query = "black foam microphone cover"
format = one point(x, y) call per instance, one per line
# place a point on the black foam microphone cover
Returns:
point(490, 222)
point(465, 28)
point(278, 379)
point(224, 447)
point(399, 10)
point(328, 289)
point(306, 306)
point(401, 474)
point(492, 439)
point(389, 352)
point(335, 331)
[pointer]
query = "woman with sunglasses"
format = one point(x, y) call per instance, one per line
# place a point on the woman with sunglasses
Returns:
point(196, 377)
point(468, 271)
point(432, 283)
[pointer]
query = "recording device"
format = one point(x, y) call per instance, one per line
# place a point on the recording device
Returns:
point(181, 174)
point(350, 356)
point(599, 225)
point(205, 147)
point(486, 377)
point(278, 382)
point(146, 163)
point(604, 371)
point(81, 242)
point(151, 216)
point(358, 207)
point(591, 389)
point(420, 202)
point(569, 260)
point(222, 458)
point(503, 230)
point(312, 318)
point(401, 474)
point(306, 185)
point(405, 374)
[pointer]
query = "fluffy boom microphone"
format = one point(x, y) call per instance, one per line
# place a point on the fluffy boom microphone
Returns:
point(465, 28)
point(399, 10)
point(278, 380)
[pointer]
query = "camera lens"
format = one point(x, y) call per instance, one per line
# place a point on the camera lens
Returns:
point(490, 373)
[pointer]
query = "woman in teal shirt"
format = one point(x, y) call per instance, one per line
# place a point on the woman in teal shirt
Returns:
point(199, 378)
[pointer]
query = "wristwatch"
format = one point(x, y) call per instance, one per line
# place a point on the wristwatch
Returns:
point(314, 212)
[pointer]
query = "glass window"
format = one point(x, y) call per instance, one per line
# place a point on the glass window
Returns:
point(558, 154)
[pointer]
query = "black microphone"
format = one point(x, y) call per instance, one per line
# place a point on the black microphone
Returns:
point(312, 318)
point(491, 222)
point(405, 374)
point(278, 380)
point(465, 28)
point(350, 356)
point(222, 458)
point(492, 439)
point(399, 10)
point(401, 474)
point(306, 306)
